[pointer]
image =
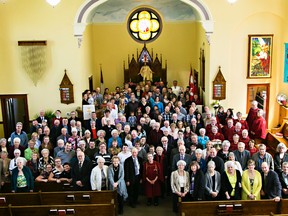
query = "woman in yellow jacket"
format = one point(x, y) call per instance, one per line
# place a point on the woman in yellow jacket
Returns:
point(251, 182)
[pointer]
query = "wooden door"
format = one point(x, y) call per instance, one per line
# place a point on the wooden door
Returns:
point(14, 109)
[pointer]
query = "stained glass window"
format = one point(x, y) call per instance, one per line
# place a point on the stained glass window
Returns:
point(144, 25)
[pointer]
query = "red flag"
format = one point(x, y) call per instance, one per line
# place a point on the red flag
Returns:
point(191, 83)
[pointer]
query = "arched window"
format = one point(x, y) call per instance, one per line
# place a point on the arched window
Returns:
point(144, 25)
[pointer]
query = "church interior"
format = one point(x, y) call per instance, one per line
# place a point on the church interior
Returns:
point(89, 42)
point(81, 38)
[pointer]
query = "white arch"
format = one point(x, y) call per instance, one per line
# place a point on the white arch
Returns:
point(82, 16)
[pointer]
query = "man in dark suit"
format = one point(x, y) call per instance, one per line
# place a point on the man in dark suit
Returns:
point(55, 131)
point(242, 155)
point(166, 148)
point(81, 173)
point(283, 177)
point(133, 168)
point(271, 186)
point(181, 156)
point(42, 117)
point(219, 163)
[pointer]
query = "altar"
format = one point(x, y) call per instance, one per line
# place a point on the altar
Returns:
point(144, 66)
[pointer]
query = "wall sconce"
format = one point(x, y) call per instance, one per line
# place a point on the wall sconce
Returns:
point(53, 3)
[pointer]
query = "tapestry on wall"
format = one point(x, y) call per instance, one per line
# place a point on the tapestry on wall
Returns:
point(33, 58)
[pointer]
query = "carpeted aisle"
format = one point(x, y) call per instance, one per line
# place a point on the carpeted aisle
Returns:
point(164, 208)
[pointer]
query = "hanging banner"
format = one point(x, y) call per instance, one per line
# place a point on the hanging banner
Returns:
point(286, 63)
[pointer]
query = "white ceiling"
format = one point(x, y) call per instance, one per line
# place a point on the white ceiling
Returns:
point(117, 11)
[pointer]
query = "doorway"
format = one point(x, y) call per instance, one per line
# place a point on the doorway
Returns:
point(260, 93)
point(14, 109)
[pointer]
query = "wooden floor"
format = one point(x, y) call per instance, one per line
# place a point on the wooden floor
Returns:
point(164, 208)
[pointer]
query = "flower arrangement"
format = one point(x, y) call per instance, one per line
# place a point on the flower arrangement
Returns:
point(215, 104)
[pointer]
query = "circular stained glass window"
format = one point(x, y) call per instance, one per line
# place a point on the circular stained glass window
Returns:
point(144, 25)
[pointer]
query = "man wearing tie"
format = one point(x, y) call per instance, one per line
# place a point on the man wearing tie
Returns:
point(181, 156)
point(242, 155)
point(81, 173)
point(133, 168)
point(42, 117)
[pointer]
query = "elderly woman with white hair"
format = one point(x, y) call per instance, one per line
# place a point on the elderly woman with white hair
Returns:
point(224, 151)
point(45, 159)
point(115, 136)
point(202, 138)
point(212, 182)
point(99, 176)
point(236, 163)
point(100, 137)
point(200, 160)
point(180, 183)
point(87, 137)
point(116, 182)
point(231, 182)
point(280, 157)
point(21, 179)
point(13, 163)
point(3, 145)
point(74, 138)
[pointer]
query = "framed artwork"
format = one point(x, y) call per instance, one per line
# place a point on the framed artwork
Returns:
point(260, 56)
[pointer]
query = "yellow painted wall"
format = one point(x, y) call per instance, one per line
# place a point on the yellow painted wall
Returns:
point(229, 47)
point(178, 44)
point(36, 20)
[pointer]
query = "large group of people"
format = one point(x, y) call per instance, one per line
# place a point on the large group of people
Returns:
point(150, 140)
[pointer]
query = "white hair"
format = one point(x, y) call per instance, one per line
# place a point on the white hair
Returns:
point(114, 131)
point(16, 139)
point(100, 159)
point(202, 130)
point(226, 142)
point(19, 159)
point(211, 163)
point(17, 151)
point(87, 131)
point(181, 162)
point(230, 164)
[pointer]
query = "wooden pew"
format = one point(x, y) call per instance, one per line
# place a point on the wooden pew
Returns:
point(78, 197)
point(21, 199)
point(246, 207)
point(272, 140)
point(42, 186)
point(4, 210)
point(49, 210)
point(60, 198)
point(284, 206)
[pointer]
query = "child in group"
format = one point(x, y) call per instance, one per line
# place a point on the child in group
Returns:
point(132, 120)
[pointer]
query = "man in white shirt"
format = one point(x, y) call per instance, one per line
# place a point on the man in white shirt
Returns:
point(125, 153)
point(176, 89)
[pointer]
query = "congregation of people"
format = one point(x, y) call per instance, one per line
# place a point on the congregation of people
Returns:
point(150, 140)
